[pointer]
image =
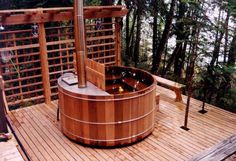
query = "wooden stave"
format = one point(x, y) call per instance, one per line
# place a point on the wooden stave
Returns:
point(93, 135)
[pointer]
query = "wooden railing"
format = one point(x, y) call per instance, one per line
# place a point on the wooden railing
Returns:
point(37, 46)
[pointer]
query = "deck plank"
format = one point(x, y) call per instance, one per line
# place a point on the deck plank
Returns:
point(39, 142)
point(40, 133)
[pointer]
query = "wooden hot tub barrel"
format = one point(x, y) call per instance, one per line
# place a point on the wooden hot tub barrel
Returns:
point(94, 117)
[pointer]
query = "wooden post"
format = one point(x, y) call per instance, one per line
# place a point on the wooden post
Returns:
point(44, 63)
point(3, 121)
point(117, 34)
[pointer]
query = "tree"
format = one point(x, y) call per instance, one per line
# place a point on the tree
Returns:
point(164, 38)
point(180, 30)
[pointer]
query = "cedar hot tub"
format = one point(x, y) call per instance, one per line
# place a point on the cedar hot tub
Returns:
point(120, 115)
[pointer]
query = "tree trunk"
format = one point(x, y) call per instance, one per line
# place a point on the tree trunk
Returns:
point(127, 37)
point(154, 5)
point(131, 36)
point(218, 40)
point(181, 37)
point(164, 38)
point(154, 41)
point(216, 50)
point(171, 59)
point(226, 36)
point(138, 37)
point(232, 51)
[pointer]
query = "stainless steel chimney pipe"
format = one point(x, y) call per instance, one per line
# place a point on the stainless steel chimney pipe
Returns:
point(80, 48)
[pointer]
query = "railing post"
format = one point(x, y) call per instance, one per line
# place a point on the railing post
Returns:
point(3, 121)
point(44, 63)
point(117, 39)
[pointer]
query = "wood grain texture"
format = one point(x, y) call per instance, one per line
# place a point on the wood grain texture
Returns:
point(118, 40)
point(44, 63)
point(96, 73)
point(166, 143)
point(29, 16)
point(59, 48)
point(107, 120)
point(176, 87)
point(218, 152)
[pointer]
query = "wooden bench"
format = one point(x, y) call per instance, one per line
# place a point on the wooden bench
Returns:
point(176, 87)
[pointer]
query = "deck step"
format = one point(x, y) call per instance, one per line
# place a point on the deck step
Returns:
point(218, 152)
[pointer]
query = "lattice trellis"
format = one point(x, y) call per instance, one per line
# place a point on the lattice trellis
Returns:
point(101, 42)
point(60, 48)
point(20, 66)
point(22, 53)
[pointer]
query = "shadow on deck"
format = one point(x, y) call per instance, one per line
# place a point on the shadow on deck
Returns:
point(39, 132)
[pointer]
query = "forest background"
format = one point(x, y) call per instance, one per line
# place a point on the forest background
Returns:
point(189, 41)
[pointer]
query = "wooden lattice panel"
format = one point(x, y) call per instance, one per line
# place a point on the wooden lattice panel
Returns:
point(40, 48)
point(60, 48)
point(20, 66)
point(101, 42)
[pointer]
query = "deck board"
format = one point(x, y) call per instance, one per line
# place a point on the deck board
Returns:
point(39, 132)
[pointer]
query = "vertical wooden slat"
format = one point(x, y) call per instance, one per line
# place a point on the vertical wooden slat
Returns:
point(17, 66)
point(3, 122)
point(44, 63)
point(117, 46)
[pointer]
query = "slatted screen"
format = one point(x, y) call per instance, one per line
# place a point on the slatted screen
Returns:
point(60, 48)
point(101, 42)
point(20, 66)
point(20, 56)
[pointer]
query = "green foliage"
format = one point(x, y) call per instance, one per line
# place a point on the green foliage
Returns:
point(228, 100)
point(92, 2)
point(231, 6)
point(217, 87)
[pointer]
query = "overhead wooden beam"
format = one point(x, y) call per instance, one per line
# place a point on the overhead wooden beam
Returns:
point(105, 14)
point(41, 15)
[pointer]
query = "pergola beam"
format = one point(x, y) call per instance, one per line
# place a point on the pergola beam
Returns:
point(43, 15)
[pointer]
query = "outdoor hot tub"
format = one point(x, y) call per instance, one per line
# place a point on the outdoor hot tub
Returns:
point(120, 115)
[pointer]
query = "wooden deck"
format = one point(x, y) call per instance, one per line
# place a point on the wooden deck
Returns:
point(39, 132)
